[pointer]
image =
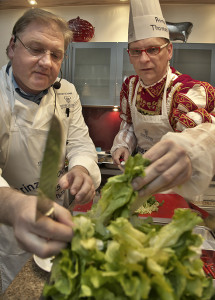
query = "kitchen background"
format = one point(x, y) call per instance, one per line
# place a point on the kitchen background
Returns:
point(111, 24)
point(97, 68)
point(111, 21)
point(104, 58)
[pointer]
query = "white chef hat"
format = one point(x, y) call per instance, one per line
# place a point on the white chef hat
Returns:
point(146, 20)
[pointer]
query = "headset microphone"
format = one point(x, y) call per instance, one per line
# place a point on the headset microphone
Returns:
point(56, 85)
point(67, 112)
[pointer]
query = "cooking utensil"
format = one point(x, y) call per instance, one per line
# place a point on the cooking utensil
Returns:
point(50, 167)
point(71, 203)
point(44, 263)
point(208, 219)
point(122, 166)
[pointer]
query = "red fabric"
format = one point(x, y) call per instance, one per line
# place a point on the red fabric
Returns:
point(125, 93)
point(149, 100)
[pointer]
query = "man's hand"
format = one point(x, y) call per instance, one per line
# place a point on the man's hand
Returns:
point(170, 166)
point(120, 154)
point(80, 184)
point(45, 237)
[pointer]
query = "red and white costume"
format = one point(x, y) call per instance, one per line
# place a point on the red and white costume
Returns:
point(178, 108)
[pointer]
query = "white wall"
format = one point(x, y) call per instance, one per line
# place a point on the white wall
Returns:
point(111, 21)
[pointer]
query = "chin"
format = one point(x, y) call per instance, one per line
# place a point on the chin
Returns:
point(148, 82)
point(40, 87)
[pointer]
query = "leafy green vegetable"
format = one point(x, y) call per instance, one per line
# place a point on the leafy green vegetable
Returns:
point(114, 256)
point(117, 195)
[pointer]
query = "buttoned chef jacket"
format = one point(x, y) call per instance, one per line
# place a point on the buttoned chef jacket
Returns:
point(177, 108)
point(23, 133)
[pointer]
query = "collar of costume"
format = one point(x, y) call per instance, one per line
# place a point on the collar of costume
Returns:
point(149, 99)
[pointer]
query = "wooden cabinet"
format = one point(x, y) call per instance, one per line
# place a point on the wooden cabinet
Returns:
point(98, 69)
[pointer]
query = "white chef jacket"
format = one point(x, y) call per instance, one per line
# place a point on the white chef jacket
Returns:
point(147, 130)
point(23, 133)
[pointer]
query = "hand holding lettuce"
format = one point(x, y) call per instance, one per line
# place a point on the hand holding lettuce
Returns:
point(111, 257)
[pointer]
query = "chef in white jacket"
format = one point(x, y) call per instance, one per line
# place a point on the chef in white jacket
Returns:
point(167, 116)
point(29, 96)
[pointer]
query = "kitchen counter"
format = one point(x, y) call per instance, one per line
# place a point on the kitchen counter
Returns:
point(28, 284)
point(110, 171)
point(207, 201)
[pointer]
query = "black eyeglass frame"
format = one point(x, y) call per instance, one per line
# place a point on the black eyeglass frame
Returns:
point(38, 53)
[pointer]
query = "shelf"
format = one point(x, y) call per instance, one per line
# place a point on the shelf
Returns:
point(111, 172)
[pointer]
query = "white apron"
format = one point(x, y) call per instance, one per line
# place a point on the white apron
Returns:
point(149, 129)
point(31, 142)
point(25, 133)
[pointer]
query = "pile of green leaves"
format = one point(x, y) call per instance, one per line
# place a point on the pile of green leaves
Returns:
point(114, 256)
point(118, 195)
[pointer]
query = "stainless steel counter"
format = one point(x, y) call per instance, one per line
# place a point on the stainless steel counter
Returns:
point(207, 201)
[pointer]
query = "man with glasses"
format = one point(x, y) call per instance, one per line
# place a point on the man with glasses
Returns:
point(30, 94)
point(165, 115)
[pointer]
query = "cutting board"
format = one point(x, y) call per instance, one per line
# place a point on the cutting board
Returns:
point(163, 215)
point(166, 210)
point(80, 209)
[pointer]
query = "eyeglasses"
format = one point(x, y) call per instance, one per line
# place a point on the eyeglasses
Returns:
point(151, 51)
point(39, 52)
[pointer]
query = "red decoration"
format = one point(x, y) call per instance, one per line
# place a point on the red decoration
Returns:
point(82, 30)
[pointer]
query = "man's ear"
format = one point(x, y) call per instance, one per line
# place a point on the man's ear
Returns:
point(170, 50)
point(11, 47)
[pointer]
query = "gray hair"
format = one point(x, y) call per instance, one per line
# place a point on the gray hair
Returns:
point(44, 17)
